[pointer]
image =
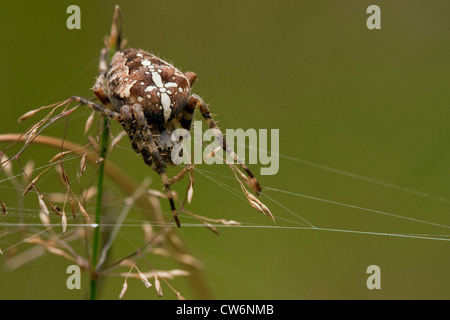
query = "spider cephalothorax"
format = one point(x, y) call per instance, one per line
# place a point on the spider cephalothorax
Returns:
point(150, 98)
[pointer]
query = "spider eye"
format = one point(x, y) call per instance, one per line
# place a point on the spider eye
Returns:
point(138, 77)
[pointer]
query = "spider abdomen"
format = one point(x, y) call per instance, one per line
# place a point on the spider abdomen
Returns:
point(138, 77)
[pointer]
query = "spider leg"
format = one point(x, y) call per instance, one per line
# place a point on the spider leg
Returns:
point(98, 86)
point(191, 76)
point(187, 115)
point(180, 175)
point(185, 123)
point(113, 43)
point(195, 101)
point(170, 197)
point(129, 126)
point(149, 151)
point(101, 109)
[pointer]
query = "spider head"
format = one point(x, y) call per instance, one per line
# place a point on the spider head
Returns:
point(138, 77)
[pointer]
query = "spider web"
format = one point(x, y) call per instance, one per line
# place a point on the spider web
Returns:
point(290, 219)
point(286, 217)
point(22, 224)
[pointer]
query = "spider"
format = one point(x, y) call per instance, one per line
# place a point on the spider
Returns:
point(150, 98)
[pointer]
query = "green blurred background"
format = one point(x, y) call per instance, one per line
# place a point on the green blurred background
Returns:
point(373, 103)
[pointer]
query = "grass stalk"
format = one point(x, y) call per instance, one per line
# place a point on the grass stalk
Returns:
point(98, 208)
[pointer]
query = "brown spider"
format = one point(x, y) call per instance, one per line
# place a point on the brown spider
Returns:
point(150, 98)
